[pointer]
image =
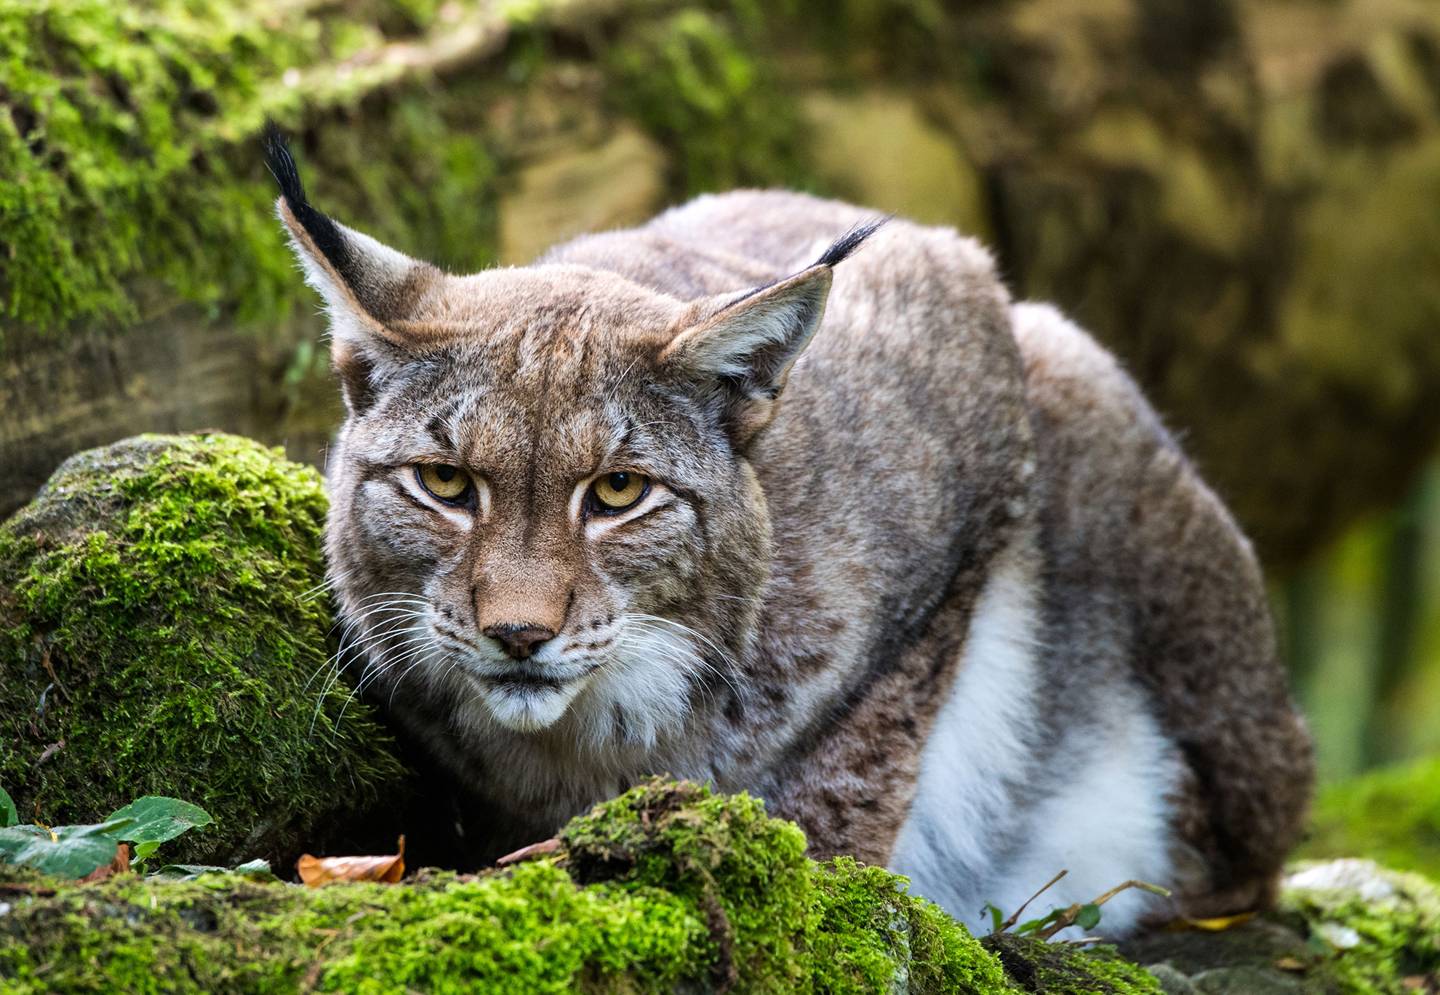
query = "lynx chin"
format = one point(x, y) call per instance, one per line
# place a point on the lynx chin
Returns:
point(769, 494)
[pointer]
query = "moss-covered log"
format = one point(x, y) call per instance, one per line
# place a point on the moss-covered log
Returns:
point(666, 888)
point(672, 888)
point(163, 630)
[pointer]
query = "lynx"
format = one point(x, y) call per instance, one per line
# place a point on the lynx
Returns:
point(766, 494)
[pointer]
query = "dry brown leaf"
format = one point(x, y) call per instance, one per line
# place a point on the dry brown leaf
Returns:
point(120, 865)
point(1290, 964)
point(315, 871)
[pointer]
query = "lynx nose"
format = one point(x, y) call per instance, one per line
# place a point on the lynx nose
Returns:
point(518, 640)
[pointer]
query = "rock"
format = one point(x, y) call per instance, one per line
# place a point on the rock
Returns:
point(876, 149)
point(163, 630)
point(1343, 927)
point(615, 183)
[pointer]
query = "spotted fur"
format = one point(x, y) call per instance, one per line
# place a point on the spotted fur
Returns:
point(885, 497)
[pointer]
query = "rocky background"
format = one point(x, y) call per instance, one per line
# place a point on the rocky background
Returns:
point(1234, 194)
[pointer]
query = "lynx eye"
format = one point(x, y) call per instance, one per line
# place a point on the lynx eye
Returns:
point(446, 482)
point(614, 492)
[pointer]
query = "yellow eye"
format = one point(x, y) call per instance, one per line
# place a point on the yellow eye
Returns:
point(446, 482)
point(617, 491)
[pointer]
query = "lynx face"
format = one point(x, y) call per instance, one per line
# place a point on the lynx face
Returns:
point(539, 521)
point(542, 514)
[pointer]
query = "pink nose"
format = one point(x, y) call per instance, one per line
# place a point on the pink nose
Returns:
point(519, 640)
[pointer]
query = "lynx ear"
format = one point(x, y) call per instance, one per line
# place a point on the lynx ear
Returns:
point(370, 290)
point(739, 350)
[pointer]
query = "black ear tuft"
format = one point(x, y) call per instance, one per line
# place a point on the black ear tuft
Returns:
point(323, 231)
point(847, 243)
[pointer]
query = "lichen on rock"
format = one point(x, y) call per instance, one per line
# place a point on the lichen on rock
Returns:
point(163, 630)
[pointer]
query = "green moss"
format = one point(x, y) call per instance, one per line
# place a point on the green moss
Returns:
point(128, 168)
point(668, 887)
point(163, 631)
point(1067, 969)
point(1391, 816)
point(872, 936)
point(778, 921)
point(720, 853)
point(532, 930)
point(1379, 930)
point(695, 81)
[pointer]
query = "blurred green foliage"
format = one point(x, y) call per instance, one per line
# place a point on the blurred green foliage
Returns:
point(1361, 628)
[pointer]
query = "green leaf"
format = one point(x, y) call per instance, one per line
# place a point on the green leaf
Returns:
point(8, 816)
point(13, 838)
point(157, 819)
point(255, 870)
point(1037, 924)
point(65, 851)
point(143, 850)
point(1088, 917)
point(997, 918)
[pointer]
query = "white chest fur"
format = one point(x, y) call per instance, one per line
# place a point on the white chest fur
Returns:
point(984, 827)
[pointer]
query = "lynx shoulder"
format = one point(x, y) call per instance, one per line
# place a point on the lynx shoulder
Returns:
point(769, 494)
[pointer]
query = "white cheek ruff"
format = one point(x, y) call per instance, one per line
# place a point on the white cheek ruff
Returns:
point(640, 693)
point(643, 691)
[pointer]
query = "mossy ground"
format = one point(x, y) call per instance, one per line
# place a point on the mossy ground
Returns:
point(163, 630)
point(1377, 931)
point(1066, 969)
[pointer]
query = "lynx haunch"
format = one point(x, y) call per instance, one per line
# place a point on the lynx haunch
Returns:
point(766, 494)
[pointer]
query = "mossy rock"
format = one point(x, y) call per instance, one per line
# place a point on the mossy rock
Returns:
point(666, 888)
point(163, 630)
point(1391, 816)
point(1342, 927)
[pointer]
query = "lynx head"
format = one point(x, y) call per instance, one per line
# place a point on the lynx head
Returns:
point(542, 512)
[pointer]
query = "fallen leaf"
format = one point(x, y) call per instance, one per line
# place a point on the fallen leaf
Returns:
point(1218, 924)
point(1290, 964)
point(528, 852)
point(315, 871)
point(119, 865)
